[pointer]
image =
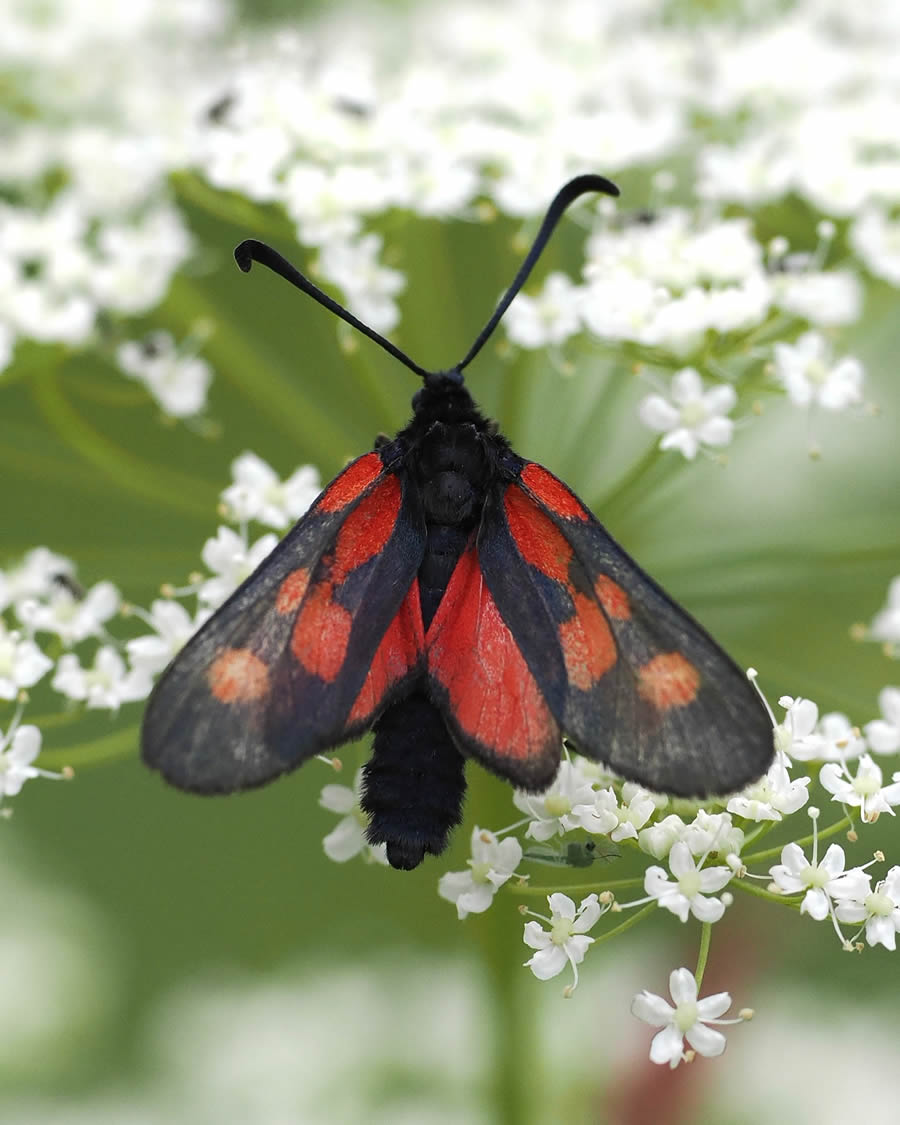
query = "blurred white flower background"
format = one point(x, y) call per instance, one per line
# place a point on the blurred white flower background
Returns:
point(710, 361)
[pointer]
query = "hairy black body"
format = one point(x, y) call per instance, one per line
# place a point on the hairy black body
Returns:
point(414, 783)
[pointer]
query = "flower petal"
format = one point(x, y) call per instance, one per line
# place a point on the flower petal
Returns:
point(683, 986)
point(705, 1040)
point(652, 1009)
point(345, 841)
point(711, 1007)
point(562, 905)
point(535, 936)
point(549, 962)
point(667, 1046)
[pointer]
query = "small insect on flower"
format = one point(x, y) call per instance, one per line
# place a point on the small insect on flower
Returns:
point(461, 602)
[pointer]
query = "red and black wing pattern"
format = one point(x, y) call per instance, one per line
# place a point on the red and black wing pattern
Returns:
point(628, 675)
point(486, 692)
point(307, 651)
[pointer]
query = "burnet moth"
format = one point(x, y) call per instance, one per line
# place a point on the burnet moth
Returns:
point(460, 602)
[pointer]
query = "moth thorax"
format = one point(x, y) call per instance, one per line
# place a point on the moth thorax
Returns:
point(450, 498)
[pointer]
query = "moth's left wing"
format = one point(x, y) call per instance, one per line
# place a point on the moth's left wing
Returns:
point(308, 651)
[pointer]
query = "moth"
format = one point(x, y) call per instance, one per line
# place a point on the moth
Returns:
point(461, 602)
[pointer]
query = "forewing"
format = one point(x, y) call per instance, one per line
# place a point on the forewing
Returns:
point(629, 675)
point(307, 651)
point(481, 682)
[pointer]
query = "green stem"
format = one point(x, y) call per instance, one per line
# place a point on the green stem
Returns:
point(638, 916)
point(119, 744)
point(578, 888)
point(499, 937)
point(825, 834)
point(761, 830)
point(54, 720)
point(162, 486)
point(703, 954)
point(751, 889)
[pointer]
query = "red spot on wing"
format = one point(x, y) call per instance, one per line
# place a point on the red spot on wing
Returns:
point(588, 647)
point(292, 590)
point(668, 680)
point(237, 675)
point(613, 598)
point(471, 653)
point(367, 528)
point(322, 629)
point(553, 493)
point(539, 540)
point(350, 483)
point(321, 632)
point(399, 652)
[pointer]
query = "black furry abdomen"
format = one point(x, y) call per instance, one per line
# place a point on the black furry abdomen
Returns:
point(414, 783)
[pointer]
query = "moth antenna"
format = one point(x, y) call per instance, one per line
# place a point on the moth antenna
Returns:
point(250, 251)
point(566, 195)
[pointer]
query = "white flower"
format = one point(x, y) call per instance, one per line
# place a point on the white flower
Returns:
point(864, 791)
point(832, 297)
point(807, 738)
point(883, 735)
point(657, 840)
point(369, 287)
point(879, 909)
point(886, 623)
point(136, 262)
point(690, 417)
point(750, 172)
point(17, 752)
point(231, 560)
point(39, 312)
point(684, 895)
point(258, 494)
point(566, 940)
point(348, 838)
point(876, 239)
point(22, 663)
point(820, 882)
point(840, 739)
point(179, 383)
point(493, 862)
point(712, 833)
point(796, 737)
point(569, 803)
point(173, 626)
point(809, 376)
point(634, 815)
point(775, 795)
point(34, 577)
point(105, 684)
point(621, 307)
point(687, 1020)
point(550, 318)
point(72, 619)
point(327, 205)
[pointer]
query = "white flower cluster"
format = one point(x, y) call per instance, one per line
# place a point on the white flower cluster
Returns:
point(42, 597)
point(699, 856)
point(489, 109)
